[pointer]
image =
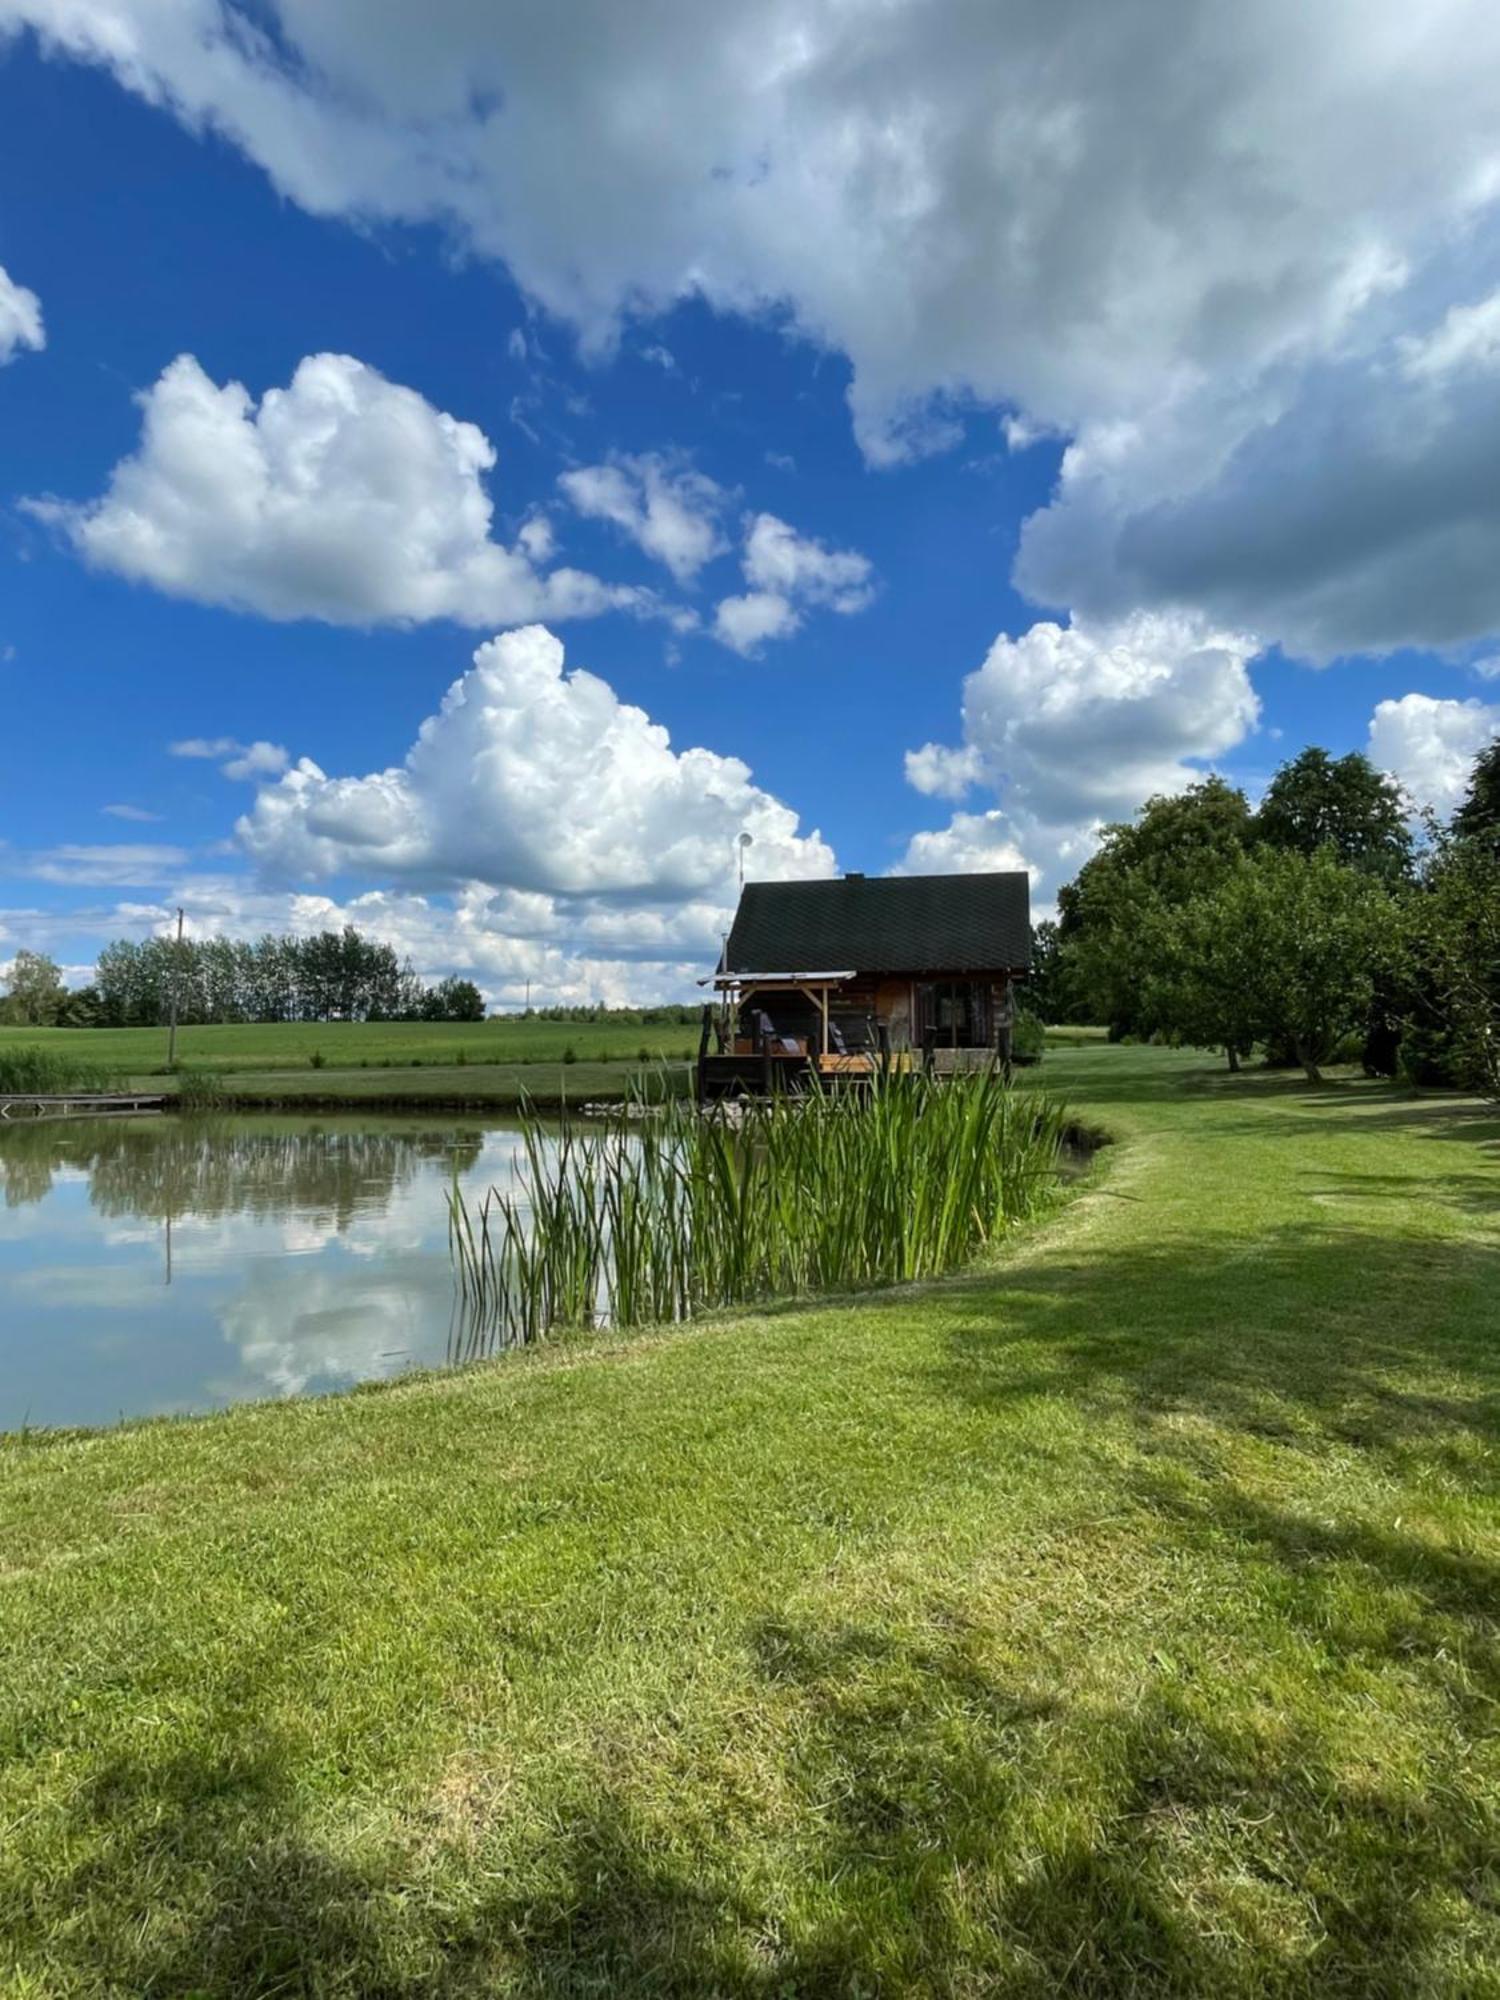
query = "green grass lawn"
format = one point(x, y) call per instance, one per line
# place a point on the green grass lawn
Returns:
point(1121, 1620)
point(481, 1063)
point(346, 1044)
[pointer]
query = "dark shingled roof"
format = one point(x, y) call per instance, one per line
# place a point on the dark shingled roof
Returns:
point(884, 923)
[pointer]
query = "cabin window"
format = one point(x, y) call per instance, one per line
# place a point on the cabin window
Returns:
point(957, 1012)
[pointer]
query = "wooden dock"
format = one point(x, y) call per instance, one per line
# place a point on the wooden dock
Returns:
point(30, 1104)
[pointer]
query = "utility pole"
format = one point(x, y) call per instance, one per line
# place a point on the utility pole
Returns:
point(176, 981)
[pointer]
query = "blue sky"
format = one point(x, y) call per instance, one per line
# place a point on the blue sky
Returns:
point(767, 375)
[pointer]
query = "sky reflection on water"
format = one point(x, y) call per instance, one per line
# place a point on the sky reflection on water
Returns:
point(170, 1264)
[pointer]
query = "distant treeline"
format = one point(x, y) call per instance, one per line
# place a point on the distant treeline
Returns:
point(335, 976)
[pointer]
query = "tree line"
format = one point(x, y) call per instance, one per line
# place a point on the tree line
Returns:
point(333, 976)
point(1318, 926)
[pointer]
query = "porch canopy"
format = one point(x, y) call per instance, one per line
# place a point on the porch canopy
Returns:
point(737, 988)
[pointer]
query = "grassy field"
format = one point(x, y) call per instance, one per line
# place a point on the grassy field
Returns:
point(349, 1044)
point(391, 1063)
point(1120, 1620)
point(483, 1063)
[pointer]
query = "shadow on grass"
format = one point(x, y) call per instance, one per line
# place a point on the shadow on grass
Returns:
point(1343, 1329)
point(963, 1834)
point(945, 1824)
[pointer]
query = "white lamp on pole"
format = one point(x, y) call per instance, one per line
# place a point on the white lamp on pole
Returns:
point(745, 840)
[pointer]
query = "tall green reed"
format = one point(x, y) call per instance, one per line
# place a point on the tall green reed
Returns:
point(50, 1072)
point(634, 1220)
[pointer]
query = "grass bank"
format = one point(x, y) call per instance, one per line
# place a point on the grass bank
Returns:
point(237, 1048)
point(1120, 1620)
point(460, 1066)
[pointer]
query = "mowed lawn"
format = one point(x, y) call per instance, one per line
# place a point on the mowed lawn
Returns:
point(238, 1047)
point(379, 1062)
point(1119, 1621)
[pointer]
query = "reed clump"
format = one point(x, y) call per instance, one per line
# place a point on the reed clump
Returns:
point(50, 1073)
point(629, 1221)
point(201, 1090)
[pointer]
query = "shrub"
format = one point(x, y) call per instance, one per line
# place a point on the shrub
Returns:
point(317, 1059)
point(570, 1054)
point(1027, 1036)
point(1427, 1054)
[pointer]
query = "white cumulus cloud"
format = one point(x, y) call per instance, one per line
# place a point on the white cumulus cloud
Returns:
point(1429, 745)
point(1073, 726)
point(789, 572)
point(343, 497)
point(535, 779)
point(20, 318)
point(665, 507)
point(1244, 259)
point(746, 622)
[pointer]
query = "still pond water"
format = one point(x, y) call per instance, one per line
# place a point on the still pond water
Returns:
point(167, 1264)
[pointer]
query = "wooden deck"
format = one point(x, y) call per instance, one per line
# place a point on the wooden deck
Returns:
point(31, 1104)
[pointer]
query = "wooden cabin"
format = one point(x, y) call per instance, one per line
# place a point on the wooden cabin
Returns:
point(846, 975)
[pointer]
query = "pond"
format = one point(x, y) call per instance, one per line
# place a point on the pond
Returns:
point(150, 1265)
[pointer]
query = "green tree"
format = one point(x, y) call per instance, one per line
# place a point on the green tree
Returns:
point(1203, 979)
point(1306, 937)
point(1339, 802)
point(35, 993)
point(1176, 847)
point(1453, 935)
point(1044, 986)
point(1478, 818)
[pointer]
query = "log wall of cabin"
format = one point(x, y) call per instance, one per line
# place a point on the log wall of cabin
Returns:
point(892, 999)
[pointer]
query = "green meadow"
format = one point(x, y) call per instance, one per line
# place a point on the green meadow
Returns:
point(1117, 1619)
point(346, 1044)
point(469, 1063)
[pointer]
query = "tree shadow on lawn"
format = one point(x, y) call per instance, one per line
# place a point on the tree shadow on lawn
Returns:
point(956, 1832)
point(1474, 1193)
point(1351, 1103)
point(1343, 1327)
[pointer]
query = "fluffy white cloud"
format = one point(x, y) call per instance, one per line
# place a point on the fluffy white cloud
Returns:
point(667, 509)
point(1202, 243)
point(745, 623)
point(1072, 215)
point(533, 779)
point(971, 843)
point(20, 318)
point(1351, 507)
point(788, 572)
point(942, 771)
point(1429, 745)
point(778, 559)
point(343, 497)
point(1072, 726)
point(259, 759)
